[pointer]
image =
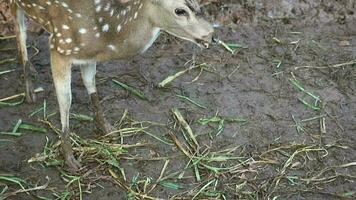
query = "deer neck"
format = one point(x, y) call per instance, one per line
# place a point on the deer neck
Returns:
point(131, 35)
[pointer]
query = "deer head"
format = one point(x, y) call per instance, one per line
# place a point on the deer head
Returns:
point(181, 18)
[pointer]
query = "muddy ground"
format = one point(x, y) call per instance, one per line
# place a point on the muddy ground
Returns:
point(289, 144)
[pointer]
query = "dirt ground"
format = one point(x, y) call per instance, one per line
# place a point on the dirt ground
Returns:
point(275, 120)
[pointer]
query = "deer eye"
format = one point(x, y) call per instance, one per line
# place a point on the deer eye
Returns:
point(181, 12)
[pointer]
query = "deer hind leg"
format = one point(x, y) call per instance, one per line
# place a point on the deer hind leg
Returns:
point(88, 71)
point(20, 28)
point(61, 72)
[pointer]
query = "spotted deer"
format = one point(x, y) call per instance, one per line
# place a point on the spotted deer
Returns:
point(84, 32)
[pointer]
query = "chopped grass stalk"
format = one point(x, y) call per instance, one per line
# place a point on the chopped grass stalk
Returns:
point(17, 134)
point(157, 138)
point(170, 185)
point(231, 47)
point(203, 188)
point(7, 37)
point(35, 112)
point(81, 117)
point(9, 60)
point(169, 79)
point(220, 121)
point(7, 71)
point(16, 127)
point(317, 100)
point(226, 46)
point(132, 90)
point(40, 89)
point(185, 125)
point(12, 104)
point(33, 128)
point(14, 131)
point(44, 109)
point(191, 101)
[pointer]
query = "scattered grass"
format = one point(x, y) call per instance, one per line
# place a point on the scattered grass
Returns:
point(186, 126)
point(131, 89)
point(7, 71)
point(81, 117)
point(220, 121)
point(25, 186)
point(231, 47)
point(316, 104)
point(21, 95)
point(171, 78)
point(23, 126)
point(32, 128)
point(351, 63)
point(209, 173)
point(191, 101)
point(8, 60)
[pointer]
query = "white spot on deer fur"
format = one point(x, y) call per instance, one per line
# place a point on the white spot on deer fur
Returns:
point(119, 27)
point(98, 8)
point(60, 50)
point(68, 40)
point(107, 7)
point(123, 12)
point(65, 27)
point(64, 5)
point(106, 28)
point(112, 47)
point(82, 30)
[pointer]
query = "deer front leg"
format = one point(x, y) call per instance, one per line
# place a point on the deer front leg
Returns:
point(61, 72)
point(88, 71)
point(21, 36)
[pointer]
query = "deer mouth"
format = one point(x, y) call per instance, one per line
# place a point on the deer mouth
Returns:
point(202, 43)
